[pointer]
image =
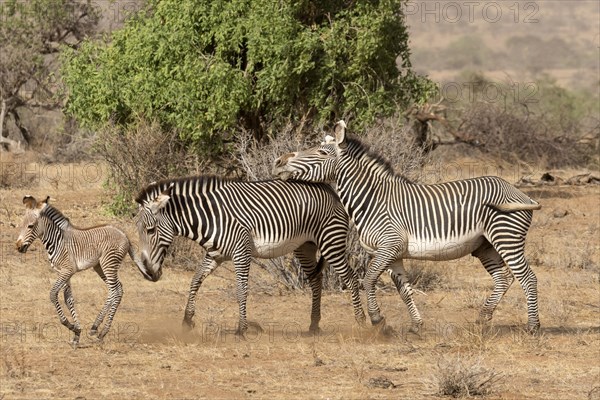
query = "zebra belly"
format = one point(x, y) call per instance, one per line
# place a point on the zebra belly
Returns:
point(443, 249)
point(86, 263)
point(265, 248)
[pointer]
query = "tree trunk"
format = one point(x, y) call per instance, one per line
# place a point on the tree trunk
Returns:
point(11, 145)
point(2, 114)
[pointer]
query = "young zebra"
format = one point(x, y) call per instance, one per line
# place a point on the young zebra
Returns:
point(71, 250)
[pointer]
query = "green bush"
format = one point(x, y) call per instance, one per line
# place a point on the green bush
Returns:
point(203, 68)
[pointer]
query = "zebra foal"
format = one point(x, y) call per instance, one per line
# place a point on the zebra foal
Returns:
point(397, 219)
point(71, 250)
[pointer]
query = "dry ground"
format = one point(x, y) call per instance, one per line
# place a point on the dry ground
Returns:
point(147, 356)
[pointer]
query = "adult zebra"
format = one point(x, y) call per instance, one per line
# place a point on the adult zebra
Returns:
point(396, 219)
point(237, 220)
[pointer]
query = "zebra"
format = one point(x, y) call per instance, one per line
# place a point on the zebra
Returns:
point(236, 220)
point(397, 219)
point(71, 250)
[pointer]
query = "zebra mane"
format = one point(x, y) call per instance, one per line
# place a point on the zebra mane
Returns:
point(155, 188)
point(56, 216)
point(362, 152)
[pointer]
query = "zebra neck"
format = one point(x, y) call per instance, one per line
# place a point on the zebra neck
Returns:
point(363, 181)
point(56, 224)
point(188, 212)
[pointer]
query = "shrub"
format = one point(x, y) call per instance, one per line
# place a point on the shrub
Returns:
point(464, 377)
point(13, 170)
point(139, 154)
point(204, 67)
point(424, 278)
point(536, 122)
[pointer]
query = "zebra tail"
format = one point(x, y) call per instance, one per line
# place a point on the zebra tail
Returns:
point(318, 268)
point(509, 207)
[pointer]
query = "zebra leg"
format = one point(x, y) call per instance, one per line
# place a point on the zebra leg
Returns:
point(102, 313)
point(513, 254)
point(306, 254)
point(338, 261)
point(502, 277)
point(398, 274)
point(207, 266)
point(381, 261)
point(56, 288)
point(70, 302)
point(115, 293)
point(241, 260)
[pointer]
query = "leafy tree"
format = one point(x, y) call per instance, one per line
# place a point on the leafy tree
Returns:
point(203, 67)
point(31, 32)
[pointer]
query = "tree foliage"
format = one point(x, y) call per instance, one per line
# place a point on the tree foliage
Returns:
point(31, 32)
point(203, 67)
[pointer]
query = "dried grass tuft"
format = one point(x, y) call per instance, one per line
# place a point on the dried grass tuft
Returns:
point(465, 376)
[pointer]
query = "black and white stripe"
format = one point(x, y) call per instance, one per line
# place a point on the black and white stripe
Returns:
point(237, 220)
point(398, 219)
point(71, 250)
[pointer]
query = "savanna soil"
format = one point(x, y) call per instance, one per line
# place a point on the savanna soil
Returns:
point(147, 355)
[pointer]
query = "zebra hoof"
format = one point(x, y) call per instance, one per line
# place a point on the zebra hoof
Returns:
point(484, 318)
point(188, 325)
point(74, 342)
point(383, 330)
point(241, 333)
point(378, 321)
point(314, 331)
point(533, 329)
point(93, 332)
point(416, 328)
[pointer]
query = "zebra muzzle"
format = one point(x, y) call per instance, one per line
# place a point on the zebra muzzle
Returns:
point(21, 248)
point(284, 175)
point(149, 273)
point(154, 277)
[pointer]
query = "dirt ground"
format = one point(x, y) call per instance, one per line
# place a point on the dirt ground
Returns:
point(146, 354)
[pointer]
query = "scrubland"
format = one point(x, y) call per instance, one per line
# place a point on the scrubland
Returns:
point(147, 355)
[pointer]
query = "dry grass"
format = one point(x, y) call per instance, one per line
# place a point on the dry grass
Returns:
point(18, 170)
point(15, 364)
point(146, 354)
point(465, 376)
point(425, 277)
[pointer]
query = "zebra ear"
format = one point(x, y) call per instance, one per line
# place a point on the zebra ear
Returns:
point(30, 202)
point(161, 200)
point(340, 133)
point(42, 204)
point(158, 203)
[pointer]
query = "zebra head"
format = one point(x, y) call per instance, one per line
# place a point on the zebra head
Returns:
point(32, 227)
point(156, 233)
point(317, 164)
